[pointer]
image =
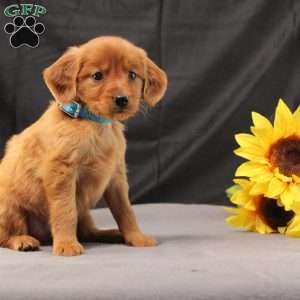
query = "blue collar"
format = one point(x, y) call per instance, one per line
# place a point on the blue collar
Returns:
point(76, 110)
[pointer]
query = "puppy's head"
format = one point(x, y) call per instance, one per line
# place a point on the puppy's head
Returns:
point(107, 74)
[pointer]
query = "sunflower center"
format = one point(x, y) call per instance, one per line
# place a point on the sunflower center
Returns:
point(285, 154)
point(272, 214)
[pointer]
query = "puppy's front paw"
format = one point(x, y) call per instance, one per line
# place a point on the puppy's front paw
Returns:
point(67, 248)
point(138, 239)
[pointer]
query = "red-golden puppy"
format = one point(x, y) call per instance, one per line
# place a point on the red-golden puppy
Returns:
point(59, 167)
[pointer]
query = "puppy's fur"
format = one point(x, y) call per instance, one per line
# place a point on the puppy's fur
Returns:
point(58, 168)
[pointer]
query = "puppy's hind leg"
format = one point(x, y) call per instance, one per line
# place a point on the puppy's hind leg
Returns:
point(13, 230)
point(88, 232)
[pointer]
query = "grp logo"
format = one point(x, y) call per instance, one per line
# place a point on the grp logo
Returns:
point(24, 29)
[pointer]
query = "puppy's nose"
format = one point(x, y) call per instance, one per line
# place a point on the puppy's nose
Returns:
point(121, 101)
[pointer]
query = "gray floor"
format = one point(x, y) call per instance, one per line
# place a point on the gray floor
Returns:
point(199, 257)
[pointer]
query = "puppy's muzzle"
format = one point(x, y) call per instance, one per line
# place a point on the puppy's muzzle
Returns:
point(121, 101)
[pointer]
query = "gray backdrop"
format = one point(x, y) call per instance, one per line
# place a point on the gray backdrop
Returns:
point(223, 58)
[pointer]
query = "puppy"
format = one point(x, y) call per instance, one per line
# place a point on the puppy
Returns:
point(58, 168)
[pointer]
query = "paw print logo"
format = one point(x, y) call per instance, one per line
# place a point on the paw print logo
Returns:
point(24, 32)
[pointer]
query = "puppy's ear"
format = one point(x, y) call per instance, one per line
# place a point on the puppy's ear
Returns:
point(155, 83)
point(61, 76)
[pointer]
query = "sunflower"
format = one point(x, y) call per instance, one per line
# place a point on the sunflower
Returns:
point(259, 213)
point(273, 154)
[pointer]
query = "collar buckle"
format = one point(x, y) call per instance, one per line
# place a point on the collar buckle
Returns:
point(71, 109)
point(76, 110)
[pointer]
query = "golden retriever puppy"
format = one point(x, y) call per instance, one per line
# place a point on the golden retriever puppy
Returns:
point(58, 168)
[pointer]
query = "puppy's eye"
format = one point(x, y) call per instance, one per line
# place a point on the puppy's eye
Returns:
point(97, 76)
point(132, 75)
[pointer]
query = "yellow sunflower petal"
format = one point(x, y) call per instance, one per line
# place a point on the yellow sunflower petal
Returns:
point(279, 202)
point(281, 176)
point(250, 205)
point(283, 122)
point(258, 188)
point(275, 188)
point(231, 190)
point(296, 207)
point(295, 222)
point(239, 194)
point(289, 196)
point(261, 227)
point(281, 230)
point(287, 199)
point(296, 117)
point(296, 204)
point(251, 154)
point(242, 220)
point(249, 169)
point(293, 229)
point(244, 183)
point(231, 209)
point(264, 136)
point(260, 121)
point(236, 221)
point(247, 140)
point(239, 198)
point(296, 178)
point(246, 214)
point(263, 177)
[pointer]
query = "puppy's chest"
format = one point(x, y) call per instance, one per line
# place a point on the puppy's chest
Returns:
point(101, 157)
point(94, 166)
point(98, 164)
